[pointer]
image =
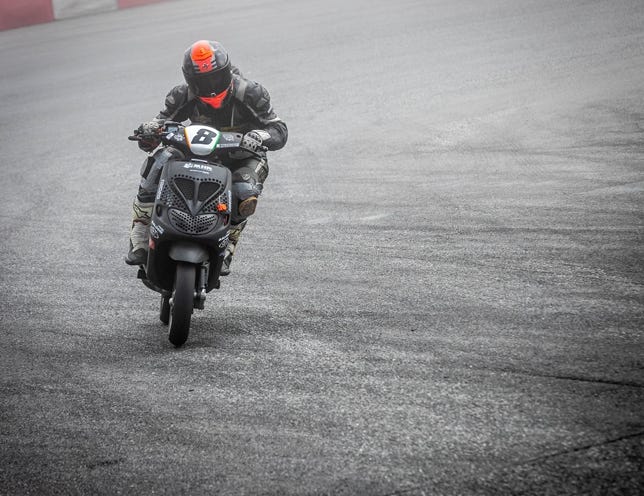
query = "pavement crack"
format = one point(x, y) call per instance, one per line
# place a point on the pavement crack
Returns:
point(580, 448)
point(407, 490)
point(564, 377)
point(104, 463)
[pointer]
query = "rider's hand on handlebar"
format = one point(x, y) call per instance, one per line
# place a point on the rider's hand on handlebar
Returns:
point(148, 133)
point(253, 141)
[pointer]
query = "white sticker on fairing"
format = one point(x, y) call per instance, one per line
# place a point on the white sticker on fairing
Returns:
point(160, 189)
point(202, 140)
point(199, 167)
point(155, 230)
point(223, 242)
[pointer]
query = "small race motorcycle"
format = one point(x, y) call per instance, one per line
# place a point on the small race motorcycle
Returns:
point(190, 222)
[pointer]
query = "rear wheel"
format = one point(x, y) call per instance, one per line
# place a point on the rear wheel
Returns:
point(182, 303)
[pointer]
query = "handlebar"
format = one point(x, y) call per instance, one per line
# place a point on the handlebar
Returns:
point(169, 135)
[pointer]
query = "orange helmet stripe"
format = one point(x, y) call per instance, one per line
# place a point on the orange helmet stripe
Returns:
point(202, 55)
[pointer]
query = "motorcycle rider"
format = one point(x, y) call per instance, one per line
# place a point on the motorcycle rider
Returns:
point(215, 94)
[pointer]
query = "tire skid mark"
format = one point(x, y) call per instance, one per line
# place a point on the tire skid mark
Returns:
point(585, 447)
point(564, 377)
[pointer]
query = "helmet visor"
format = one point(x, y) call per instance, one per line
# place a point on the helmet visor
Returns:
point(212, 83)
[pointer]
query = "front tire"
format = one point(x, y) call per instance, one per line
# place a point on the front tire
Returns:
point(182, 303)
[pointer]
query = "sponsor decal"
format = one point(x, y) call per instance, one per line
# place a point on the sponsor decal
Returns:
point(160, 188)
point(199, 167)
point(223, 242)
point(155, 230)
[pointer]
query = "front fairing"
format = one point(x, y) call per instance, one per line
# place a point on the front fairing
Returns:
point(195, 195)
point(193, 204)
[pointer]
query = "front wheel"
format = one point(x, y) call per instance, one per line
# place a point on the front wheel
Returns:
point(182, 303)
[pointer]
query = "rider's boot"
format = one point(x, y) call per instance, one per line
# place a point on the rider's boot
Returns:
point(139, 234)
point(233, 239)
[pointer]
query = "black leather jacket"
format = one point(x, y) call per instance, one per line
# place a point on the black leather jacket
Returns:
point(249, 108)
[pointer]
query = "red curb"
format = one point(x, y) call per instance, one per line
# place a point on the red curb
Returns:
point(15, 14)
point(124, 4)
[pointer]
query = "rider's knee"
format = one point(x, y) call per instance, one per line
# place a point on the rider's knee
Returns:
point(244, 194)
point(244, 190)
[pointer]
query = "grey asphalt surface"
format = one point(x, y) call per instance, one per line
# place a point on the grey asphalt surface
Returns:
point(441, 292)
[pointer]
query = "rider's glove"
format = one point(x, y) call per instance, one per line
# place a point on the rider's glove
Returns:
point(253, 141)
point(149, 135)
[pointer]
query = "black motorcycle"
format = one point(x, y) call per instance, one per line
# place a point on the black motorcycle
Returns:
point(190, 222)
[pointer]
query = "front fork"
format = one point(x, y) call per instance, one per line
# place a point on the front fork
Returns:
point(200, 287)
point(202, 284)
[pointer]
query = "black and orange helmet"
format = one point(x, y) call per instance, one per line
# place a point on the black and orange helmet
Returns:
point(206, 69)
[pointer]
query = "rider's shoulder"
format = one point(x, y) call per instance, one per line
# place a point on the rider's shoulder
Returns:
point(178, 95)
point(250, 92)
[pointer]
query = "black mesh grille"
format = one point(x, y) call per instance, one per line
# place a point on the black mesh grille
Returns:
point(207, 189)
point(179, 212)
point(186, 186)
point(192, 225)
point(171, 199)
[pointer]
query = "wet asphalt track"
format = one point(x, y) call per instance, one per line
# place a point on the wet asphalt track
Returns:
point(442, 292)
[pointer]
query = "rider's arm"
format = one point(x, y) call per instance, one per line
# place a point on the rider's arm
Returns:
point(176, 105)
point(258, 102)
